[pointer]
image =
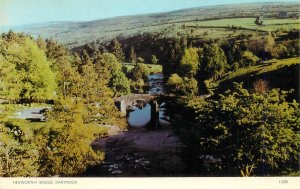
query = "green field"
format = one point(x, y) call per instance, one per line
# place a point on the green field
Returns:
point(268, 24)
point(268, 66)
point(154, 68)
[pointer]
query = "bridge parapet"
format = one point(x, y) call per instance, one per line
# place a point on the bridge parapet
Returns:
point(130, 100)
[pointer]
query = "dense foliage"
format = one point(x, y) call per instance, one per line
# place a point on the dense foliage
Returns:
point(19, 154)
point(246, 129)
point(82, 89)
point(67, 150)
point(25, 71)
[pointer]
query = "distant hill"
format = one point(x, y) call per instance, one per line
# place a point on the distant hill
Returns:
point(75, 34)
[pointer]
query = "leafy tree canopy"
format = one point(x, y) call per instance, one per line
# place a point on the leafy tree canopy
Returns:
point(244, 128)
point(34, 80)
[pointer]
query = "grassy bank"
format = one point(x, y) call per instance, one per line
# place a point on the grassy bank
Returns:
point(267, 66)
point(154, 68)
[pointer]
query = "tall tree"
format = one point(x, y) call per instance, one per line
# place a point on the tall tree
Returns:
point(119, 84)
point(214, 60)
point(68, 151)
point(189, 63)
point(10, 81)
point(117, 50)
point(140, 71)
point(132, 56)
point(29, 63)
point(19, 154)
point(258, 21)
point(174, 83)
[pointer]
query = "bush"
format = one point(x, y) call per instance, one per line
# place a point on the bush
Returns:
point(182, 86)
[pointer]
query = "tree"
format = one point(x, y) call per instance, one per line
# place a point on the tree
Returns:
point(19, 155)
point(109, 62)
point(214, 60)
point(68, 77)
point(29, 63)
point(63, 146)
point(248, 59)
point(140, 71)
point(90, 85)
point(57, 54)
point(269, 43)
point(68, 151)
point(112, 68)
point(93, 90)
point(117, 50)
point(182, 86)
point(132, 56)
point(260, 86)
point(174, 82)
point(280, 51)
point(189, 63)
point(258, 21)
point(233, 52)
point(119, 83)
point(190, 87)
point(140, 60)
point(262, 46)
point(242, 128)
point(41, 43)
point(10, 81)
point(154, 60)
point(140, 84)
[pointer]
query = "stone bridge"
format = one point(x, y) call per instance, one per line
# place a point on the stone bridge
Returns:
point(125, 102)
point(133, 99)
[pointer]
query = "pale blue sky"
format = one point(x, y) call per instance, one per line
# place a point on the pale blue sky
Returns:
point(17, 12)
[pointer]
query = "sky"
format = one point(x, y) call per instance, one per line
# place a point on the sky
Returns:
point(19, 12)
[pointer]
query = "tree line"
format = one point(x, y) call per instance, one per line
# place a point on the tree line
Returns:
point(196, 60)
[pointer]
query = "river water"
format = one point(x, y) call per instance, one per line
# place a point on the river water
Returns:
point(142, 150)
point(140, 117)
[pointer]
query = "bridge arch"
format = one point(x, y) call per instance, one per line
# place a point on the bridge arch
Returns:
point(123, 103)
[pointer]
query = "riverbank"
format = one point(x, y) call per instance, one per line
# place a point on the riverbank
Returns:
point(140, 152)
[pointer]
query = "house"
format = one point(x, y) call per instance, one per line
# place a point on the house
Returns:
point(282, 14)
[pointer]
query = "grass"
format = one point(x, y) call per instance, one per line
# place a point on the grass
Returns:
point(23, 124)
point(154, 68)
point(240, 22)
point(248, 23)
point(268, 66)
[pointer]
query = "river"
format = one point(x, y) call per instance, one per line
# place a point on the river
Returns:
point(142, 150)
